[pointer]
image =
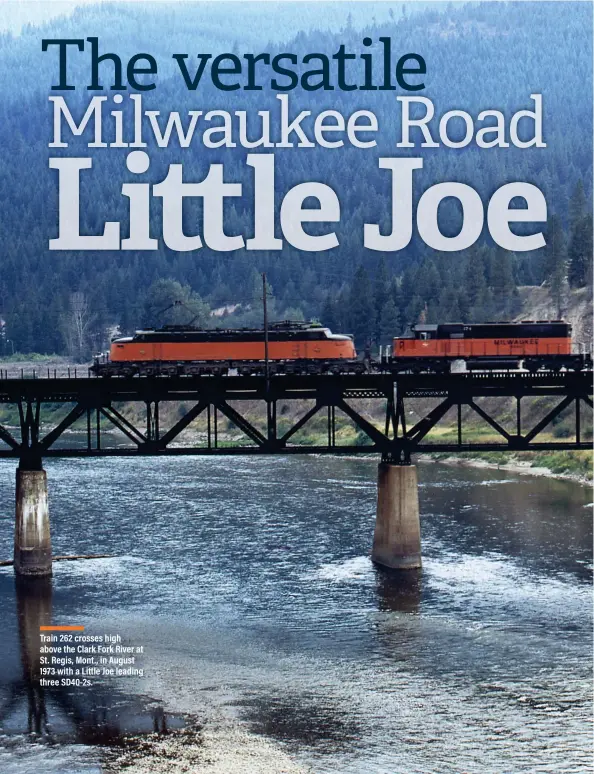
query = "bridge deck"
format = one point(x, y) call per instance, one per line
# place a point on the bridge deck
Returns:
point(91, 404)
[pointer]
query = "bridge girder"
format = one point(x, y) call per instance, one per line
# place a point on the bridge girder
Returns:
point(97, 400)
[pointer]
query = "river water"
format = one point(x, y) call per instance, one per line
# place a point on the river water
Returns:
point(249, 583)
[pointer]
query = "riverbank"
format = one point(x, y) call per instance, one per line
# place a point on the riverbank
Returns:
point(568, 465)
point(574, 466)
point(217, 747)
point(516, 465)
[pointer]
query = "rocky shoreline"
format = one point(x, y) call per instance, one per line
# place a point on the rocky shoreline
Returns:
point(514, 466)
point(219, 746)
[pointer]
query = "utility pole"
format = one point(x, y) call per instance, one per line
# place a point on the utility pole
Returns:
point(265, 310)
point(270, 405)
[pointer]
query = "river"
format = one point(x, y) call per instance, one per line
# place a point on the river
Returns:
point(249, 582)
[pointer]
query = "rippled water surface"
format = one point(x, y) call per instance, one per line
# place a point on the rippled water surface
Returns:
point(249, 581)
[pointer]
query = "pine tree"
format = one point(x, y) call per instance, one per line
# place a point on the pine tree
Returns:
point(408, 286)
point(342, 311)
point(448, 310)
point(556, 264)
point(389, 322)
point(329, 317)
point(396, 295)
point(429, 284)
point(475, 283)
point(463, 305)
point(580, 253)
point(361, 311)
point(502, 278)
point(414, 312)
point(578, 205)
point(380, 296)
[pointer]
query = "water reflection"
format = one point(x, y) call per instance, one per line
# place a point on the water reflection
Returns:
point(254, 594)
point(96, 715)
point(34, 609)
point(541, 522)
point(398, 592)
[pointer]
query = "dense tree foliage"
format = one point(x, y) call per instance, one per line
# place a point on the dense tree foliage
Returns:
point(478, 56)
point(167, 302)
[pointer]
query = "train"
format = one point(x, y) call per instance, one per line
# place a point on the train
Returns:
point(532, 345)
point(289, 347)
point(285, 348)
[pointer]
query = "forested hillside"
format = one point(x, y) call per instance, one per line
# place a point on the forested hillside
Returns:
point(478, 56)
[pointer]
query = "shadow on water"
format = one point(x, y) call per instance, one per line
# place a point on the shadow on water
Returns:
point(96, 715)
point(542, 523)
point(265, 592)
point(315, 718)
point(399, 591)
point(298, 718)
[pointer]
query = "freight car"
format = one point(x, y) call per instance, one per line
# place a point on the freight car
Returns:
point(487, 346)
point(173, 350)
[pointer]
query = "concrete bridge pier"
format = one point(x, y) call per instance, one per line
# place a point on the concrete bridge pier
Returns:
point(397, 537)
point(32, 542)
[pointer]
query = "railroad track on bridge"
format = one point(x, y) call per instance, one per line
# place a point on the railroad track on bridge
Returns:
point(94, 407)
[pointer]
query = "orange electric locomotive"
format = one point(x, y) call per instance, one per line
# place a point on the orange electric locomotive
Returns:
point(297, 348)
point(293, 347)
point(487, 346)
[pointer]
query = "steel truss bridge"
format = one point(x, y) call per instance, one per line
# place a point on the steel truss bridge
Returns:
point(94, 406)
